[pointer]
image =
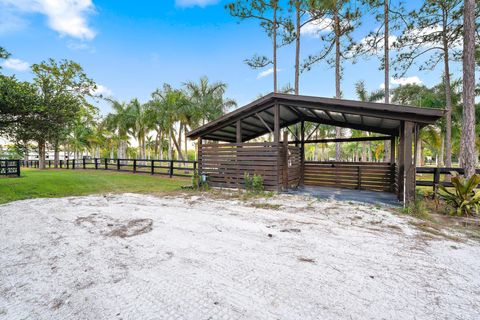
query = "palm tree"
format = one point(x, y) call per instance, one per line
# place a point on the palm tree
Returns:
point(139, 123)
point(119, 122)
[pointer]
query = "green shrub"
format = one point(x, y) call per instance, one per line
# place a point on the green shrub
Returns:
point(253, 184)
point(198, 183)
point(465, 200)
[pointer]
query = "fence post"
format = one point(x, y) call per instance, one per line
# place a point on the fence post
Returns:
point(134, 165)
point(68, 164)
point(83, 162)
point(106, 164)
point(61, 164)
point(436, 180)
point(118, 164)
point(96, 163)
point(49, 163)
point(359, 172)
point(152, 169)
point(171, 168)
point(73, 164)
point(18, 168)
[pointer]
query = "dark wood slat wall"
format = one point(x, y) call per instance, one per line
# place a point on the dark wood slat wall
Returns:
point(363, 175)
point(226, 164)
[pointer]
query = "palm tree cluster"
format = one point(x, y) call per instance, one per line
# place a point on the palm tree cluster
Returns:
point(154, 129)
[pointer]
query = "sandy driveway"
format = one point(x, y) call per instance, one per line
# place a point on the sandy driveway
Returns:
point(142, 257)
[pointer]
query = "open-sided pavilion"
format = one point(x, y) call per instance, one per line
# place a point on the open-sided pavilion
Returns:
point(225, 153)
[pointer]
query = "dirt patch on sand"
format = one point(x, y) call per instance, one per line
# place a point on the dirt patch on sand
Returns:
point(111, 227)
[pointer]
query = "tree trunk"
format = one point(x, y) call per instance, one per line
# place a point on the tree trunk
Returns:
point(386, 143)
point(297, 46)
point(170, 151)
point(177, 146)
point(275, 6)
point(25, 157)
point(186, 144)
point(41, 154)
point(448, 97)
point(418, 157)
point(56, 156)
point(468, 124)
point(338, 130)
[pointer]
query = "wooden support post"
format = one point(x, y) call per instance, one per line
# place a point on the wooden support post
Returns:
point(436, 181)
point(400, 162)
point(83, 163)
point(152, 167)
point(239, 131)
point(18, 168)
point(237, 167)
point(408, 163)
point(359, 174)
point(276, 139)
point(199, 156)
point(73, 164)
point(171, 168)
point(118, 164)
point(106, 164)
point(285, 160)
point(302, 152)
point(96, 163)
point(134, 165)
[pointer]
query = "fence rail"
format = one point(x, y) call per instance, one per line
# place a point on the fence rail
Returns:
point(9, 167)
point(177, 168)
point(435, 175)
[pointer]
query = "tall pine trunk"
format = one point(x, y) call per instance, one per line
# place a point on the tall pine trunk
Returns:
point(386, 143)
point(448, 97)
point(275, 7)
point(468, 124)
point(297, 46)
point(338, 130)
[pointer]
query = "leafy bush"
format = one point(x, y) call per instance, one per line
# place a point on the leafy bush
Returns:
point(465, 200)
point(253, 184)
point(198, 183)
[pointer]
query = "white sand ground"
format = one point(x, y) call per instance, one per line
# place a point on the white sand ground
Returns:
point(201, 258)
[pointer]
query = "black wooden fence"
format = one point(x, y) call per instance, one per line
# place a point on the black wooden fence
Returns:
point(432, 177)
point(178, 168)
point(9, 167)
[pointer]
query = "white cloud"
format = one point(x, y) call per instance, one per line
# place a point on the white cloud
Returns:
point(417, 35)
point(16, 64)
point(267, 72)
point(102, 90)
point(380, 44)
point(67, 17)
point(316, 27)
point(193, 3)
point(403, 81)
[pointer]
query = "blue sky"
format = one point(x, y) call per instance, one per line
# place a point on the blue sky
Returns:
point(130, 48)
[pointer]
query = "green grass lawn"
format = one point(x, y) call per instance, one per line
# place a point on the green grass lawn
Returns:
point(52, 183)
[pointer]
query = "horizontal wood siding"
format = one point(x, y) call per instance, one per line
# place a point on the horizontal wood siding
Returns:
point(225, 164)
point(352, 175)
